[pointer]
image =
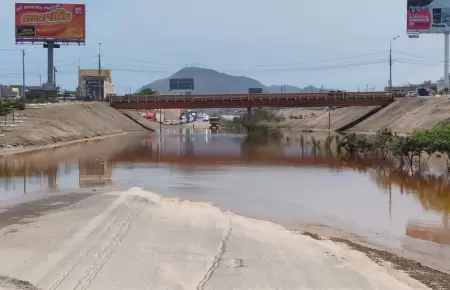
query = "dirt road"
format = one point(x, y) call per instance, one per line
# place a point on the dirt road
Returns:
point(136, 240)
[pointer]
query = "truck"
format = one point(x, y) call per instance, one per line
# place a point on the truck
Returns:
point(214, 123)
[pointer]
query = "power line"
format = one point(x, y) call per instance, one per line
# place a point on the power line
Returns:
point(140, 69)
point(258, 65)
point(366, 63)
point(333, 59)
point(413, 55)
point(44, 61)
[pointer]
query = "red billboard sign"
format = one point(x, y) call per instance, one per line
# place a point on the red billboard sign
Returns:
point(38, 22)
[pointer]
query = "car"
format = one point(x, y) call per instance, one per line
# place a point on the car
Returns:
point(412, 94)
point(336, 93)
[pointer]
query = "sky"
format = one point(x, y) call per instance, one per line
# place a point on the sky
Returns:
point(338, 44)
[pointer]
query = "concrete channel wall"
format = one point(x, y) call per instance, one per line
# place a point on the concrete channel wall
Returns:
point(63, 122)
point(402, 116)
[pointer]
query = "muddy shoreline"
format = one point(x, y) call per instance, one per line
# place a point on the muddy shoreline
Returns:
point(437, 279)
point(36, 148)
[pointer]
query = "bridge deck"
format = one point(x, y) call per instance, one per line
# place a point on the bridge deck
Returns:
point(250, 100)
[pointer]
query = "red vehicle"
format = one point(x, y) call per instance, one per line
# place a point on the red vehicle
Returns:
point(150, 116)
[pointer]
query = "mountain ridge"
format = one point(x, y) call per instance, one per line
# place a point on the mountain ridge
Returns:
point(209, 81)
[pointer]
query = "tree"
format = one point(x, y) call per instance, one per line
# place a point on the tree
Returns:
point(382, 141)
point(20, 105)
point(4, 111)
point(147, 91)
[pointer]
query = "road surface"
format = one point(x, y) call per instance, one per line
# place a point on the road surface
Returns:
point(134, 239)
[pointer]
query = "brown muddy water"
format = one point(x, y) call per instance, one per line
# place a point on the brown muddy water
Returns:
point(278, 181)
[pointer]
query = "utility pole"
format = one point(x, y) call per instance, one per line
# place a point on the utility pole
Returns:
point(390, 63)
point(99, 59)
point(23, 73)
point(79, 67)
point(99, 70)
point(329, 119)
point(446, 62)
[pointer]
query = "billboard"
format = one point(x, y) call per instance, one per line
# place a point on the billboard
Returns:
point(181, 84)
point(41, 22)
point(255, 90)
point(428, 16)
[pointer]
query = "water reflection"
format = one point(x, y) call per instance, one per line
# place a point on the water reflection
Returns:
point(95, 172)
point(279, 180)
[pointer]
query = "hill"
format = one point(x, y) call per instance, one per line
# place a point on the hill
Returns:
point(208, 81)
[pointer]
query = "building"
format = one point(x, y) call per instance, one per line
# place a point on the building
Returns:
point(7, 93)
point(14, 91)
point(95, 84)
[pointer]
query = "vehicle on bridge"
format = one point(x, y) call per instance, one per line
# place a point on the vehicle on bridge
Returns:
point(214, 123)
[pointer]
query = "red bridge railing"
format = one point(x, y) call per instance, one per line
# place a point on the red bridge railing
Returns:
point(249, 97)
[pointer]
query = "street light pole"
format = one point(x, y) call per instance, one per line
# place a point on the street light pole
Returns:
point(390, 63)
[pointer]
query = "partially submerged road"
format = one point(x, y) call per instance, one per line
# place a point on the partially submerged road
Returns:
point(137, 240)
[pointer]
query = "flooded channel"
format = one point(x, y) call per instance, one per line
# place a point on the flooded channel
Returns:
point(279, 181)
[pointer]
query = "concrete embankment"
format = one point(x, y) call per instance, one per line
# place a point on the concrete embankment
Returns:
point(65, 122)
point(402, 116)
point(308, 119)
point(407, 115)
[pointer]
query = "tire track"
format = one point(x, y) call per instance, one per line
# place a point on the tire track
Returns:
point(54, 259)
point(103, 256)
point(84, 254)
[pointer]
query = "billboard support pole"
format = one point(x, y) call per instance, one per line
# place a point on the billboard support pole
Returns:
point(446, 61)
point(50, 62)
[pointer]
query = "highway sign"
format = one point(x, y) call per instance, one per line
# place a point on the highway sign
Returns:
point(255, 90)
point(181, 84)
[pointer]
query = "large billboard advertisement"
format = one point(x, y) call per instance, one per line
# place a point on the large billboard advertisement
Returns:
point(38, 22)
point(428, 16)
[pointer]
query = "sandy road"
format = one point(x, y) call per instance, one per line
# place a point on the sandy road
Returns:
point(137, 240)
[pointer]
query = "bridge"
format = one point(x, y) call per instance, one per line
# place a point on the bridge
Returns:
point(341, 99)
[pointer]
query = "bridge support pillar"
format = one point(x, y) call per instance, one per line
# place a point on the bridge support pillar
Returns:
point(249, 111)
